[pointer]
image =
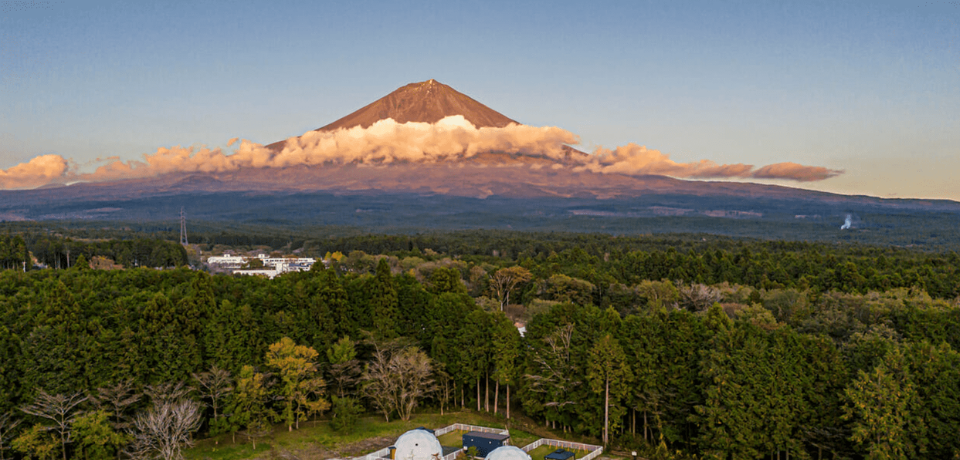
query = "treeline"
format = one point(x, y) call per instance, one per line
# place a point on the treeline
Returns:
point(604, 261)
point(599, 259)
point(56, 251)
point(13, 253)
point(718, 370)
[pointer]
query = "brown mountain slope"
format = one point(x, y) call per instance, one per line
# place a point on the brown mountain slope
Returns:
point(426, 102)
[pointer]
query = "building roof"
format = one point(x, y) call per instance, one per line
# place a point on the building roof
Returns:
point(478, 434)
point(559, 454)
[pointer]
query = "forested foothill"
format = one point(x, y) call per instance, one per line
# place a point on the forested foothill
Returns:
point(675, 345)
point(932, 225)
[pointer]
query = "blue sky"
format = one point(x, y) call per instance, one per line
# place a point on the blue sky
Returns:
point(872, 88)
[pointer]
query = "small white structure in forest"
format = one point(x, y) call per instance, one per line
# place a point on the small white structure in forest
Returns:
point(508, 453)
point(417, 445)
point(227, 261)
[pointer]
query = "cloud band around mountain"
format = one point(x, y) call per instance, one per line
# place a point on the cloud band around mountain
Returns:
point(37, 172)
point(387, 142)
point(637, 159)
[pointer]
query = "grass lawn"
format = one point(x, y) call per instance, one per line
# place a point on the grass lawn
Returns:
point(521, 438)
point(452, 439)
point(316, 440)
point(517, 438)
point(540, 452)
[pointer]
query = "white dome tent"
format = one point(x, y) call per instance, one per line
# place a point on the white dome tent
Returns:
point(417, 445)
point(508, 453)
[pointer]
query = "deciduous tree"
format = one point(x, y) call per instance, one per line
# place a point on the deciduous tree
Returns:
point(214, 385)
point(301, 387)
point(249, 408)
point(116, 399)
point(60, 410)
point(37, 442)
point(505, 280)
point(165, 429)
point(8, 426)
point(95, 438)
point(396, 381)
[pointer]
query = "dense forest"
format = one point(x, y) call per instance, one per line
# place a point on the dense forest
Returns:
point(57, 251)
point(718, 348)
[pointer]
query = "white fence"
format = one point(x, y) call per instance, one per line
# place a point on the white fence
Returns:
point(461, 427)
point(595, 451)
point(382, 453)
point(385, 452)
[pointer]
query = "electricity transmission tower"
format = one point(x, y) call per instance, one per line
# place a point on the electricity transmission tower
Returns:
point(183, 228)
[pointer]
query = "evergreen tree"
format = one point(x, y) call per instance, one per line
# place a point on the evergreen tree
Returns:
point(935, 371)
point(344, 367)
point(880, 404)
point(249, 409)
point(334, 298)
point(609, 374)
point(476, 351)
point(506, 355)
point(383, 300)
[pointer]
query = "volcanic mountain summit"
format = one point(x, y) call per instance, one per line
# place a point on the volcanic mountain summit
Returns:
point(424, 102)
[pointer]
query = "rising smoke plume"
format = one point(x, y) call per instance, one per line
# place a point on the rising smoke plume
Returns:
point(387, 142)
point(847, 222)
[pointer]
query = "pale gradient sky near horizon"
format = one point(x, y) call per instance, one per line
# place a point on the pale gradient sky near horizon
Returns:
point(872, 88)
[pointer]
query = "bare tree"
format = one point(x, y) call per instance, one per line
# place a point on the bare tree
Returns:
point(699, 297)
point(164, 430)
point(59, 409)
point(116, 399)
point(378, 382)
point(7, 425)
point(503, 281)
point(414, 370)
point(163, 393)
point(214, 385)
point(397, 381)
point(344, 375)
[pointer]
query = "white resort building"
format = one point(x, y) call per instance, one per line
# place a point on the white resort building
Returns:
point(272, 266)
